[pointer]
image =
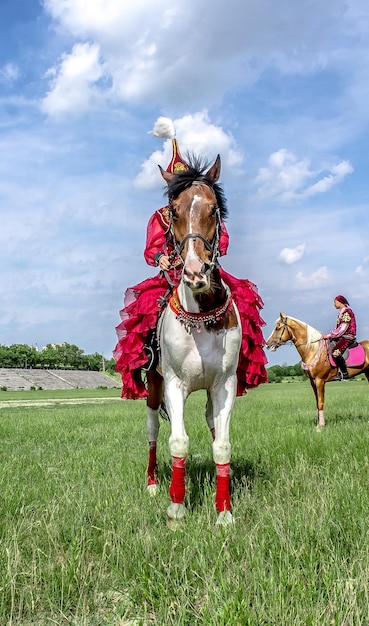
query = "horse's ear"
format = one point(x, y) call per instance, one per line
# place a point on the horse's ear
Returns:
point(166, 175)
point(282, 316)
point(214, 172)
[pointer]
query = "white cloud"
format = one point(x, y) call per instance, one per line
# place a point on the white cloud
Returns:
point(362, 269)
point(317, 279)
point(286, 177)
point(9, 73)
point(73, 82)
point(338, 173)
point(292, 255)
point(151, 49)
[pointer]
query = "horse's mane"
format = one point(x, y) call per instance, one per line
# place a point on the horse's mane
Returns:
point(312, 334)
point(197, 168)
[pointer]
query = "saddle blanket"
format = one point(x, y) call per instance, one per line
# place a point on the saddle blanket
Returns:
point(355, 357)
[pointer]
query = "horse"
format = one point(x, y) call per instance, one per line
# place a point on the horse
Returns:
point(316, 361)
point(199, 335)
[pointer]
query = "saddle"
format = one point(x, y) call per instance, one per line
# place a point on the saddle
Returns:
point(354, 356)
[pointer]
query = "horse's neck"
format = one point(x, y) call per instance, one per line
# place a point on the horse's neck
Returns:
point(306, 339)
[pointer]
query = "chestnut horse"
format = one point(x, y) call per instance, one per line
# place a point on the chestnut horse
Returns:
point(199, 336)
point(313, 351)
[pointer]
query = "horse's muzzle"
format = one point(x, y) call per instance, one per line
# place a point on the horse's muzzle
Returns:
point(197, 281)
point(271, 345)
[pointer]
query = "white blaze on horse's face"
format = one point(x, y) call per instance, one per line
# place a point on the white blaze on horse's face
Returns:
point(193, 266)
point(200, 221)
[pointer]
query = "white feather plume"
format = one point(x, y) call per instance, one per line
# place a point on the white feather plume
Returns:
point(164, 128)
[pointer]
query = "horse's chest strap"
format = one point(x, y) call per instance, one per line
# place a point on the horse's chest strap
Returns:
point(194, 320)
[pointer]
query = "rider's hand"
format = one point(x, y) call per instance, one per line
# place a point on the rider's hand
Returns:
point(164, 263)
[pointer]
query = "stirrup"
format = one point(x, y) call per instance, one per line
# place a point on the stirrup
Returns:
point(150, 359)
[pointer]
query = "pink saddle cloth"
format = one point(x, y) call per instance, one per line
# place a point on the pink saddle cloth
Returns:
point(356, 357)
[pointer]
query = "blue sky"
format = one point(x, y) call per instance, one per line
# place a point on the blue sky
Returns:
point(279, 89)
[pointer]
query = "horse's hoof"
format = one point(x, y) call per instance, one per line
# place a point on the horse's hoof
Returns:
point(153, 489)
point(176, 511)
point(225, 518)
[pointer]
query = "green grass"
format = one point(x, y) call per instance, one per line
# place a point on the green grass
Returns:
point(83, 544)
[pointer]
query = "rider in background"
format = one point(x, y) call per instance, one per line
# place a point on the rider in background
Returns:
point(136, 350)
point(343, 335)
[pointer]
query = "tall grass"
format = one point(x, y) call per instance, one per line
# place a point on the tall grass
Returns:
point(83, 544)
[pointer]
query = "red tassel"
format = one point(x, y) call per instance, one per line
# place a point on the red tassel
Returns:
point(177, 488)
point(152, 466)
point(222, 498)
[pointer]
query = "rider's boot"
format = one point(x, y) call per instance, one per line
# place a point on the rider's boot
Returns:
point(342, 373)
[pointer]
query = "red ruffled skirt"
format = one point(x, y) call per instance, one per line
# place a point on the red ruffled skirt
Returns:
point(139, 316)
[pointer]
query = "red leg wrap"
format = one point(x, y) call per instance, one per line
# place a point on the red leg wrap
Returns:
point(222, 498)
point(152, 466)
point(177, 488)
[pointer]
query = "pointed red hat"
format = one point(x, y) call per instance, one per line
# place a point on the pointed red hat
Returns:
point(177, 164)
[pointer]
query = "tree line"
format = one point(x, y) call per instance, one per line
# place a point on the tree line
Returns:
point(70, 356)
point(277, 373)
point(52, 356)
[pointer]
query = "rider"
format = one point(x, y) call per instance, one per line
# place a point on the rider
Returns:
point(136, 350)
point(343, 335)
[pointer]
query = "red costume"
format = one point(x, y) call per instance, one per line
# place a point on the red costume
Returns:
point(143, 303)
point(345, 332)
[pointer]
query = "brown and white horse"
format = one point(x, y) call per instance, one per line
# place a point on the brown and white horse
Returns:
point(312, 348)
point(199, 336)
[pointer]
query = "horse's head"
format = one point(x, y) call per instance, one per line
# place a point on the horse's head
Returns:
point(197, 206)
point(280, 335)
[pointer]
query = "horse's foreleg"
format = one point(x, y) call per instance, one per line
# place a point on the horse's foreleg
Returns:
point(222, 458)
point(319, 389)
point(155, 389)
point(178, 445)
point(152, 429)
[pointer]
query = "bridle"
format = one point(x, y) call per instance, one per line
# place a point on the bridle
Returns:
point(212, 246)
point(278, 343)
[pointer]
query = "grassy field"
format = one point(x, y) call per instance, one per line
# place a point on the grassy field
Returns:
point(83, 544)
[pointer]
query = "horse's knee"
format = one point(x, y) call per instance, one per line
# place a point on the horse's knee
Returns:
point(221, 451)
point(178, 446)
